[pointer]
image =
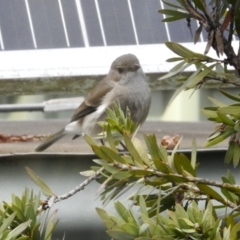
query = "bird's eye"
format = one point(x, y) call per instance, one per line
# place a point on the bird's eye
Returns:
point(120, 70)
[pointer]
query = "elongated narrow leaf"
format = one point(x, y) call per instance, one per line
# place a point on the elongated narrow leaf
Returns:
point(120, 234)
point(141, 149)
point(216, 102)
point(219, 138)
point(211, 114)
point(175, 13)
point(7, 222)
point(225, 119)
point(176, 70)
point(51, 226)
point(154, 149)
point(210, 192)
point(121, 175)
point(200, 76)
point(37, 180)
point(132, 150)
point(18, 230)
point(171, 4)
point(236, 229)
point(194, 153)
point(229, 95)
point(175, 59)
point(122, 211)
point(233, 109)
point(171, 19)
point(89, 140)
point(185, 52)
point(110, 139)
point(183, 86)
point(236, 154)
point(101, 154)
point(130, 228)
point(102, 214)
point(111, 154)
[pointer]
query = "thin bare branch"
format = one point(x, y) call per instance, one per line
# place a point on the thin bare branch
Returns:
point(79, 187)
point(192, 179)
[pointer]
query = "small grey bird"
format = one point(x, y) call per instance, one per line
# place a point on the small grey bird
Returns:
point(125, 84)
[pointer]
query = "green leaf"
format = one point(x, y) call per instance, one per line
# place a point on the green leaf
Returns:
point(194, 153)
point(210, 192)
point(183, 86)
point(130, 228)
point(111, 154)
point(177, 13)
point(101, 154)
point(109, 168)
point(172, 5)
point(235, 231)
point(211, 114)
point(140, 173)
point(200, 76)
point(156, 152)
point(142, 205)
point(185, 52)
point(142, 229)
point(200, 5)
point(175, 59)
point(230, 177)
point(236, 154)
point(222, 136)
point(89, 140)
point(176, 69)
point(7, 222)
point(232, 109)
point(110, 139)
point(121, 175)
point(216, 102)
point(38, 181)
point(132, 150)
point(18, 230)
point(229, 154)
point(122, 211)
point(140, 148)
point(186, 165)
point(50, 226)
point(120, 235)
point(162, 166)
point(225, 119)
point(102, 214)
point(172, 19)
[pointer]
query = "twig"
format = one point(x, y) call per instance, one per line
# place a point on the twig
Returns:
point(79, 187)
point(192, 179)
point(223, 80)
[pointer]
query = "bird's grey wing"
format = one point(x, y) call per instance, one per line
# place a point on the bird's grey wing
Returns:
point(93, 100)
point(82, 111)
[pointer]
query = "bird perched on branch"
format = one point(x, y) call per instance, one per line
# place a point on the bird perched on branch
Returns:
point(125, 84)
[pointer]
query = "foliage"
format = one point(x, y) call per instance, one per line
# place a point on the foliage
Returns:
point(22, 220)
point(221, 21)
point(169, 200)
point(163, 183)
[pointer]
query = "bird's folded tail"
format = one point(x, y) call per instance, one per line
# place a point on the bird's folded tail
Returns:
point(49, 141)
